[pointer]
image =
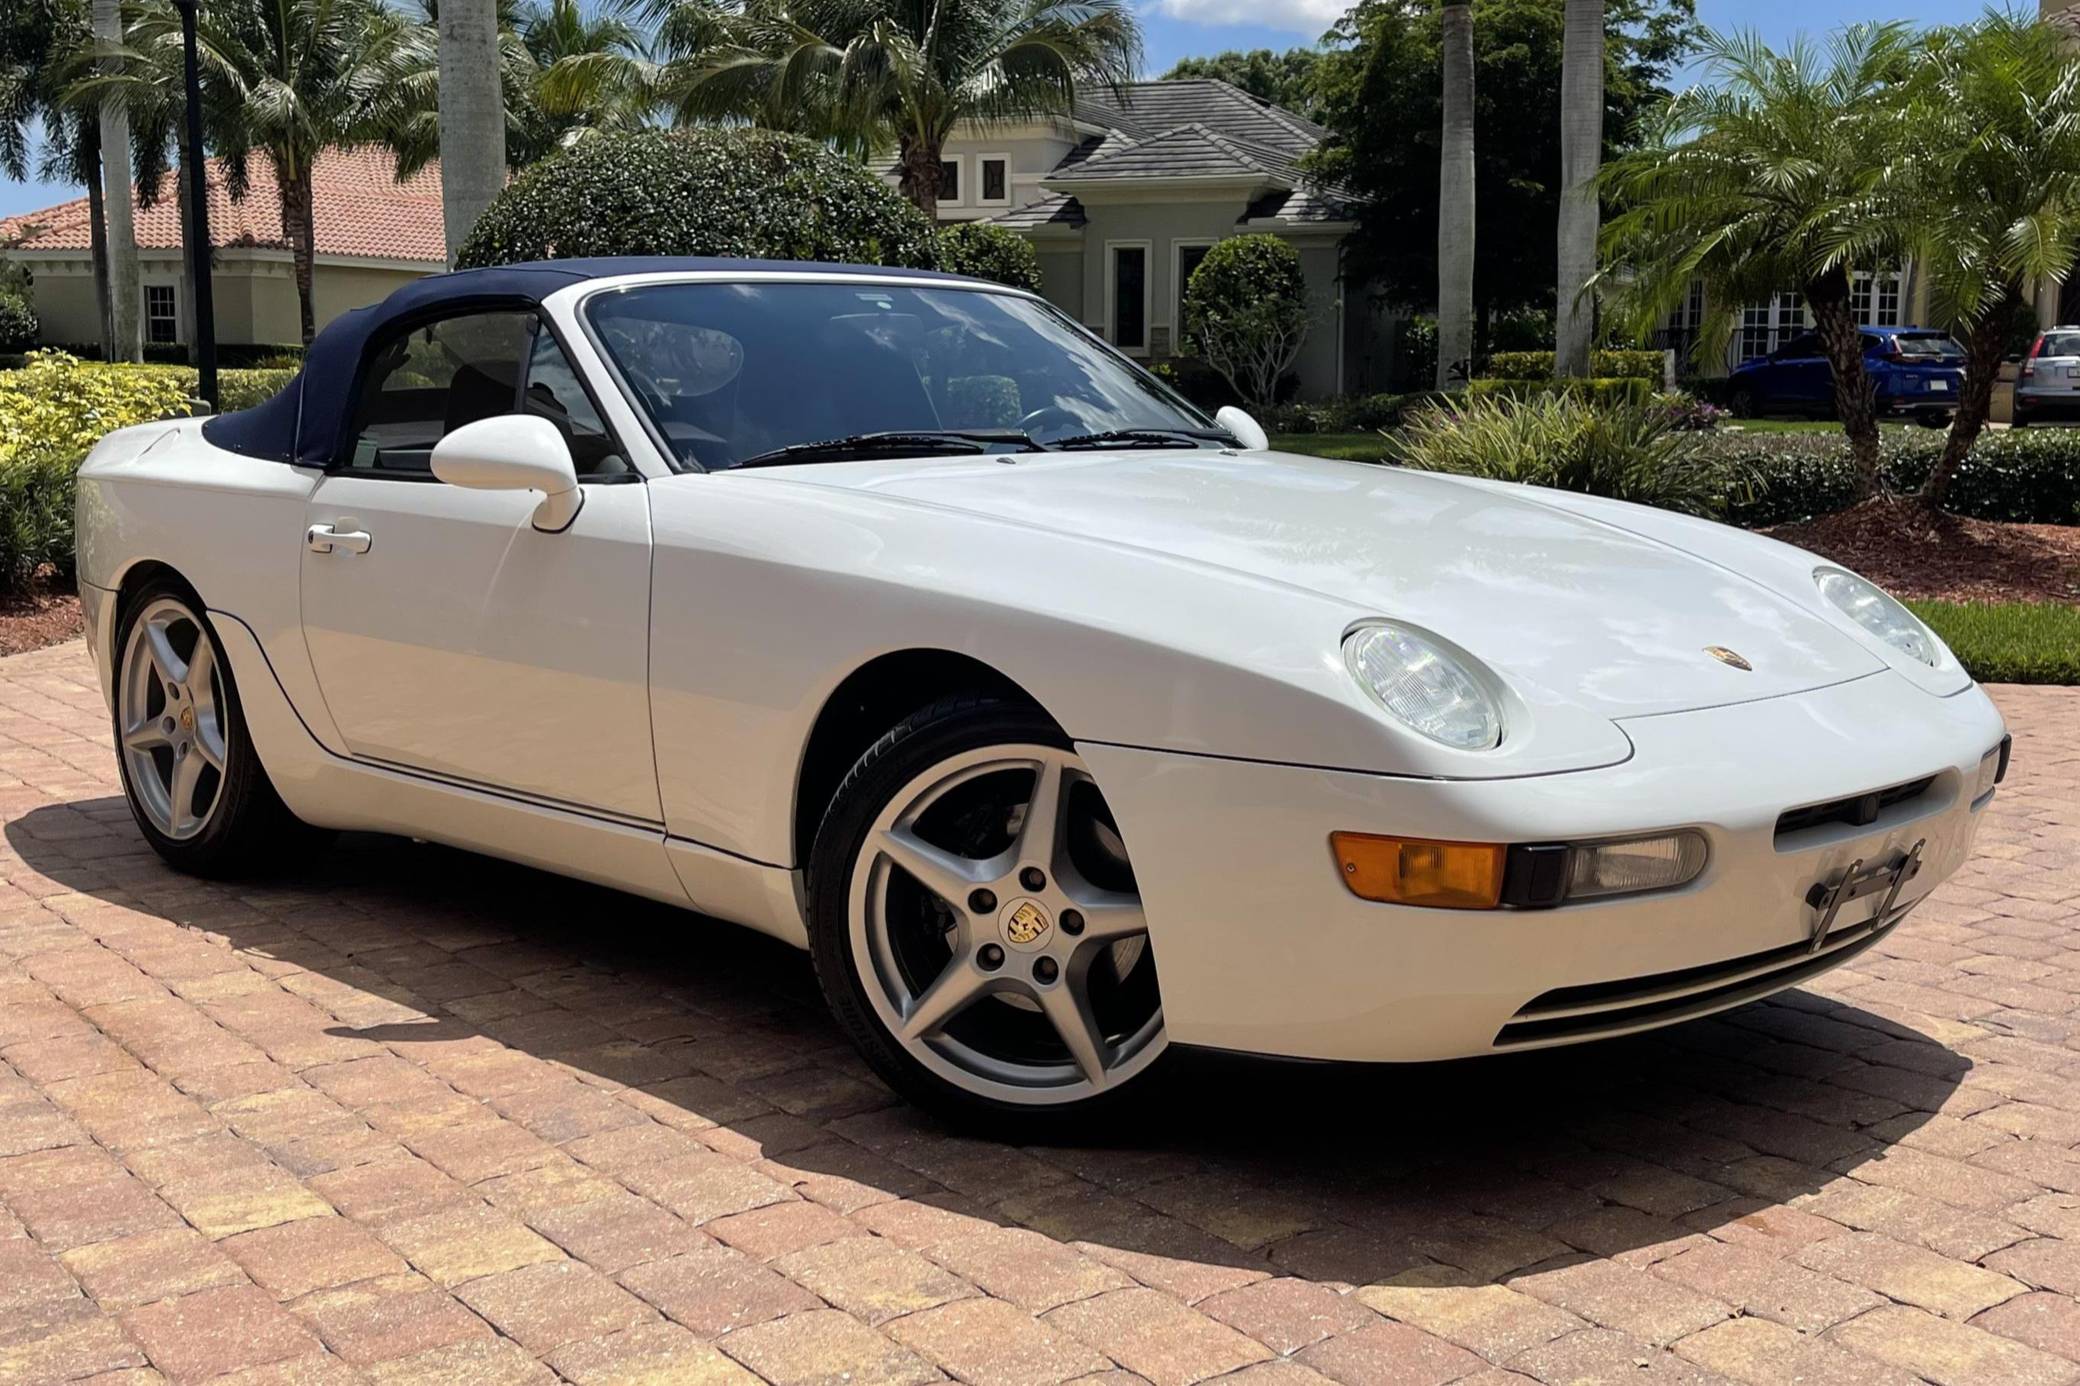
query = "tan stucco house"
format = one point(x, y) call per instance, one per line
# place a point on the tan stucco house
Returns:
point(373, 234)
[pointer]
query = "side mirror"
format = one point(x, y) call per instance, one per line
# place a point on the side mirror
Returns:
point(514, 452)
point(1247, 430)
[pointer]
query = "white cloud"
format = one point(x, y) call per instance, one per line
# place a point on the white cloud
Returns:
point(1306, 17)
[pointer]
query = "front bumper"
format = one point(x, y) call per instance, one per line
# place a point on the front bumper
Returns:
point(1260, 948)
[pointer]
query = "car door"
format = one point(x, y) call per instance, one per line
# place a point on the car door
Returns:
point(1801, 375)
point(451, 637)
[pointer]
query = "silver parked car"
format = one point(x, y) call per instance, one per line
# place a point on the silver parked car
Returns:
point(2049, 385)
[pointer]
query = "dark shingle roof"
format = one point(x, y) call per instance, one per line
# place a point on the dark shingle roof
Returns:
point(1143, 109)
point(1056, 209)
point(1189, 151)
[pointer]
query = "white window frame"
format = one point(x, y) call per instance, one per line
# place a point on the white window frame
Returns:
point(960, 164)
point(979, 200)
point(1178, 246)
point(1148, 285)
point(173, 294)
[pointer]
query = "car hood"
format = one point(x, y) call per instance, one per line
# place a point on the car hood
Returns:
point(1604, 617)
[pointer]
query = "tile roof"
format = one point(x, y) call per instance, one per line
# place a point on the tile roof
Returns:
point(1189, 151)
point(362, 212)
point(1142, 109)
point(1056, 209)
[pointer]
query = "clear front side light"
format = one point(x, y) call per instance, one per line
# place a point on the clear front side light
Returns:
point(1663, 862)
point(1424, 687)
point(1878, 613)
point(1989, 774)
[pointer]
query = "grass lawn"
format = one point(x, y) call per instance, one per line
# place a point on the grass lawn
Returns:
point(1350, 447)
point(2012, 642)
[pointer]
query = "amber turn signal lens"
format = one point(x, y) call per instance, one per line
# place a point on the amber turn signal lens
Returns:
point(1414, 871)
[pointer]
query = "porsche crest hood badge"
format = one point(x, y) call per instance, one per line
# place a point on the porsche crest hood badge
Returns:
point(1726, 656)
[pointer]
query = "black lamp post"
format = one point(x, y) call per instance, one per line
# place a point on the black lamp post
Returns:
point(198, 217)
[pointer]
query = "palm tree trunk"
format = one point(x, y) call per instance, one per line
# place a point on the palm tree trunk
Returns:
point(1455, 203)
point(299, 225)
point(1581, 151)
point(1982, 367)
point(1854, 403)
point(125, 309)
point(188, 332)
point(97, 234)
point(473, 116)
point(917, 169)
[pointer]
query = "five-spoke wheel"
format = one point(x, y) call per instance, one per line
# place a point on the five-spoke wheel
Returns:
point(169, 718)
point(991, 924)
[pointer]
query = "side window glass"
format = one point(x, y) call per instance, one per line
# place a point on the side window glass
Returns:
point(553, 392)
point(433, 380)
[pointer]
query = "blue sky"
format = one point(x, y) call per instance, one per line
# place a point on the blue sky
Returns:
point(1179, 28)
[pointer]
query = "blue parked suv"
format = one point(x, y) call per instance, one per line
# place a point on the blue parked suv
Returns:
point(1916, 371)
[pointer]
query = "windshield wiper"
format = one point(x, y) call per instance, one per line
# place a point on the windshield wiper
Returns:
point(1146, 438)
point(921, 441)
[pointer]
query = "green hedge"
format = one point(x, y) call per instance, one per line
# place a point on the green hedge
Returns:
point(2024, 478)
point(2009, 642)
point(995, 253)
point(1604, 390)
point(1606, 365)
point(1345, 413)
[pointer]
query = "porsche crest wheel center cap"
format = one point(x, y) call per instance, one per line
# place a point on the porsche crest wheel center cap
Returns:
point(1025, 924)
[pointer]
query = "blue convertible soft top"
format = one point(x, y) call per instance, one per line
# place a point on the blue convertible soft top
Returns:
point(305, 423)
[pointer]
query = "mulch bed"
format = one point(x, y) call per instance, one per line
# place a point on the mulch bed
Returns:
point(1912, 553)
point(44, 616)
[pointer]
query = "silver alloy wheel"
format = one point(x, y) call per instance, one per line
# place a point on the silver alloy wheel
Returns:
point(1023, 930)
point(169, 717)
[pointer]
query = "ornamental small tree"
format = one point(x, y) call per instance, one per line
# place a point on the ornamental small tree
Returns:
point(1246, 314)
point(730, 192)
point(990, 252)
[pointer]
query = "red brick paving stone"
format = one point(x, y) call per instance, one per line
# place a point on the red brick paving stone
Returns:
point(705, 1186)
point(625, 1148)
point(561, 1183)
point(651, 1354)
point(823, 1347)
point(216, 1331)
point(926, 1220)
point(1149, 1333)
point(989, 1340)
point(1286, 1315)
point(241, 1200)
point(31, 1278)
point(147, 1266)
point(1911, 1274)
point(715, 1290)
point(1605, 1357)
point(1962, 1185)
point(130, 1108)
point(61, 1347)
point(544, 1306)
point(386, 1318)
point(843, 1176)
point(214, 1153)
point(452, 1245)
point(1390, 1354)
point(566, 1111)
point(1492, 1320)
point(1916, 1220)
point(765, 1233)
point(1029, 1270)
point(1288, 1373)
point(1181, 1261)
point(76, 1214)
point(2045, 1264)
point(1948, 1353)
point(296, 1258)
point(479, 1362)
point(617, 1231)
point(483, 1148)
point(1631, 1301)
point(1769, 1287)
point(1244, 1214)
point(67, 1056)
point(2046, 1321)
point(1769, 1354)
point(872, 1278)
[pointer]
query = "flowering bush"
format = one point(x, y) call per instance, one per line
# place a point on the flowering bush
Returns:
point(1689, 413)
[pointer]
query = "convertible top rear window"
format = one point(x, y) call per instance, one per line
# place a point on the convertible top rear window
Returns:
point(729, 371)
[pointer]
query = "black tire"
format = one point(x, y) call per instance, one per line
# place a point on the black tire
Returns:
point(950, 727)
point(1933, 418)
point(1745, 405)
point(250, 828)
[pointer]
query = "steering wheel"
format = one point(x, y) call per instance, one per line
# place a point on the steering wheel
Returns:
point(1050, 416)
point(653, 395)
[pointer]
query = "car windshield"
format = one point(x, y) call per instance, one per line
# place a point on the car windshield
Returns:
point(735, 372)
point(1928, 346)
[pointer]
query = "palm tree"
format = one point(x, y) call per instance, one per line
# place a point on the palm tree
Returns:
point(1996, 196)
point(286, 79)
point(1785, 170)
point(894, 73)
point(472, 115)
point(124, 288)
point(1581, 150)
point(1455, 202)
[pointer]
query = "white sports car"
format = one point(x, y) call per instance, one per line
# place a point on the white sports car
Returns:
point(897, 616)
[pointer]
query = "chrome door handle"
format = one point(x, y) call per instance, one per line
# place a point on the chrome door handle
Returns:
point(324, 539)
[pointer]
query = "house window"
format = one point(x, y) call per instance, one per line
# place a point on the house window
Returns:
point(1860, 298)
point(1874, 299)
point(1888, 301)
point(950, 181)
point(1185, 257)
point(161, 319)
point(1127, 295)
point(1767, 326)
point(1755, 331)
point(993, 173)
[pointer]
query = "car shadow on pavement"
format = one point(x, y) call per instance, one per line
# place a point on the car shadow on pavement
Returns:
point(1416, 1177)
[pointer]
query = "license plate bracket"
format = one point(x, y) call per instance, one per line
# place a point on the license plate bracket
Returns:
point(1858, 882)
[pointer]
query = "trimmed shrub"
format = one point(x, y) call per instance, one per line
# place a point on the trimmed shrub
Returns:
point(1246, 313)
point(245, 388)
point(1605, 365)
point(732, 192)
point(1626, 452)
point(995, 253)
point(1345, 413)
point(1622, 390)
point(2021, 478)
point(18, 325)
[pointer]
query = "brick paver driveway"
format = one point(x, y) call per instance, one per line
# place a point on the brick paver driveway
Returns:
point(400, 1114)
